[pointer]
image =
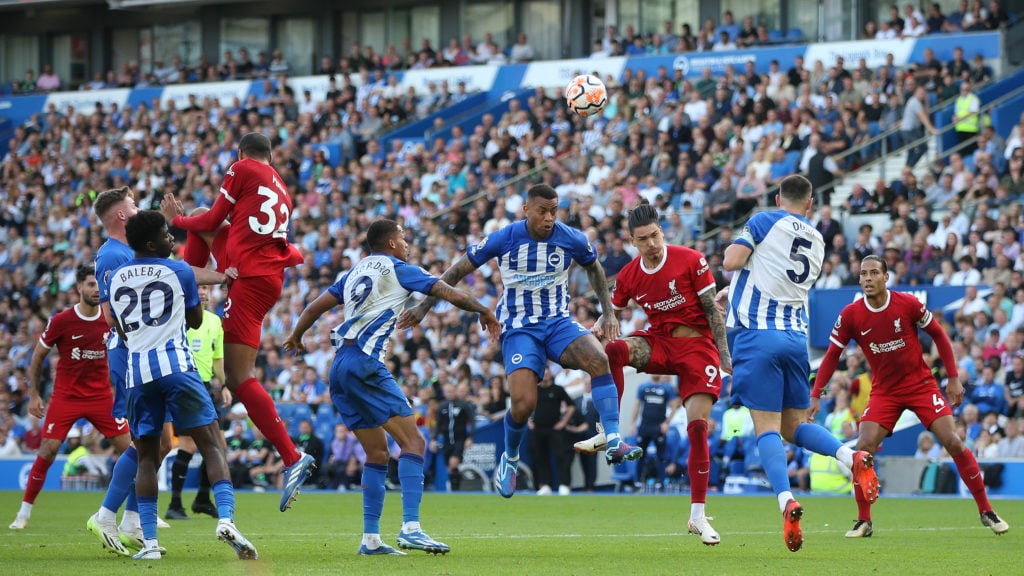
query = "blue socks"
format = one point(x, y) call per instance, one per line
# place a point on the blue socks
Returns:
point(122, 482)
point(147, 516)
point(514, 433)
point(373, 496)
point(606, 400)
point(224, 496)
point(410, 473)
point(773, 458)
point(817, 439)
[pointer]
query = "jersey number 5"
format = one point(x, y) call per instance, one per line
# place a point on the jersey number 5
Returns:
point(276, 227)
point(801, 260)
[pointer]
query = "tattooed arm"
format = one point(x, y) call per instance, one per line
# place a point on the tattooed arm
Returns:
point(607, 325)
point(413, 316)
point(707, 301)
point(465, 301)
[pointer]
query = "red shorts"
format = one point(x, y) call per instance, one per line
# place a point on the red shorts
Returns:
point(922, 398)
point(62, 413)
point(694, 360)
point(249, 300)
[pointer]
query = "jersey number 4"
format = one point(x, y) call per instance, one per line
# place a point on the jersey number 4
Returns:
point(146, 298)
point(801, 260)
point(277, 220)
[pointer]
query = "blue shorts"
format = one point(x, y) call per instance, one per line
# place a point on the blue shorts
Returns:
point(770, 370)
point(181, 396)
point(364, 392)
point(532, 346)
point(117, 367)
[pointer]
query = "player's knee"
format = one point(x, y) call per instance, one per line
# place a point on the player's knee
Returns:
point(48, 450)
point(617, 352)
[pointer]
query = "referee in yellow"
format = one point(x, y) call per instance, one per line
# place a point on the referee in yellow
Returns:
point(208, 351)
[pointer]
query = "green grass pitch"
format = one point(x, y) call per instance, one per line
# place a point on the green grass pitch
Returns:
point(586, 535)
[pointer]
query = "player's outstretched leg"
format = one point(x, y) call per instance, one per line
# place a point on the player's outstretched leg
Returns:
point(791, 530)
point(36, 479)
point(970, 473)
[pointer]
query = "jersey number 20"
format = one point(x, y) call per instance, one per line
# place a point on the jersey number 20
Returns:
point(134, 297)
point(275, 226)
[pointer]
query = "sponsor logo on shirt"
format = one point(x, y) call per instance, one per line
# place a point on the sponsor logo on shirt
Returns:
point(887, 346)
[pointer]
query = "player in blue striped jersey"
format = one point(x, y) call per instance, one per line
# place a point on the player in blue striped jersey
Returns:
point(534, 256)
point(151, 299)
point(775, 261)
point(373, 292)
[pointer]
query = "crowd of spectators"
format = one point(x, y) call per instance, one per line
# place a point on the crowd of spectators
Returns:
point(728, 34)
point(703, 151)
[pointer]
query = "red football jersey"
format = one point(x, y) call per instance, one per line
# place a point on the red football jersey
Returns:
point(888, 337)
point(259, 207)
point(670, 293)
point(82, 345)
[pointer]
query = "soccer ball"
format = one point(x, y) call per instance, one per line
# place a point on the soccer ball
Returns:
point(586, 95)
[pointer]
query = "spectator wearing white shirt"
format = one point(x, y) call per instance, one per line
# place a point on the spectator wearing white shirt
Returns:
point(724, 43)
point(521, 51)
point(599, 171)
point(829, 278)
point(967, 275)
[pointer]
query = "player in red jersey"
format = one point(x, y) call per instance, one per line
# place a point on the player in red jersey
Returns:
point(259, 208)
point(884, 323)
point(81, 388)
point(675, 287)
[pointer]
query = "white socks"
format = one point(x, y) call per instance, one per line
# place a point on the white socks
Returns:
point(105, 516)
point(409, 527)
point(130, 521)
point(845, 455)
point(372, 541)
point(784, 498)
point(26, 510)
point(696, 511)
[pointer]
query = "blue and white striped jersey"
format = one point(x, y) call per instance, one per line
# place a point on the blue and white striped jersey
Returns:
point(112, 255)
point(770, 292)
point(149, 296)
point(373, 293)
point(535, 274)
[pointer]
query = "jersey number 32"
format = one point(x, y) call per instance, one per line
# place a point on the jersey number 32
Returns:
point(276, 213)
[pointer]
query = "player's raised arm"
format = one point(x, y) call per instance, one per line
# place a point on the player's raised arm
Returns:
point(207, 222)
point(465, 301)
point(36, 405)
point(311, 314)
point(452, 276)
point(607, 325)
point(736, 256)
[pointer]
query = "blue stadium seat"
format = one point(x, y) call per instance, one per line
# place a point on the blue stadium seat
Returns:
point(302, 412)
point(795, 35)
point(325, 411)
point(933, 98)
point(776, 36)
point(286, 411)
point(325, 432)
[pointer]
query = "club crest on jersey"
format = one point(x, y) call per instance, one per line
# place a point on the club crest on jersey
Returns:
point(479, 246)
point(672, 288)
point(555, 259)
point(897, 325)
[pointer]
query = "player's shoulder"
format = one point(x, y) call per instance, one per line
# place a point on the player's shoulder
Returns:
point(905, 300)
point(684, 253)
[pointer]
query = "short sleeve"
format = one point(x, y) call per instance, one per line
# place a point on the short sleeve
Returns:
point(582, 250)
point(103, 274)
point(413, 278)
point(919, 313)
point(622, 290)
point(231, 186)
point(338, 289)
point(755, 231)
point(51, 333)
point(840, 335)
point(489, 247)
point(703, 279)
point(189, 288)
point(218, 336)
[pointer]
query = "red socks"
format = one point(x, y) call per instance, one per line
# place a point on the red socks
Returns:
point(618, 358)
point(699, 463)
point(969, 471)
point(863, 506)
point(263, 414)
point(36, 479)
